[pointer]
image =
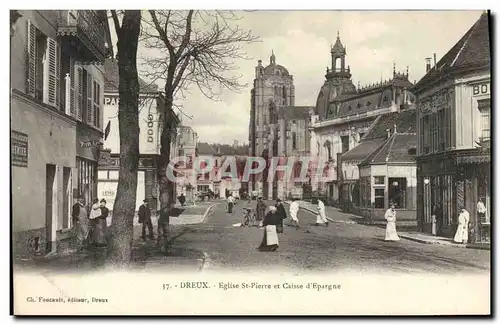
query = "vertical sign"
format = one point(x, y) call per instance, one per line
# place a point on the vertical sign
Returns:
point(19, 148)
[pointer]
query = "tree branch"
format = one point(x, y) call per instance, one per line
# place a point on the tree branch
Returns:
point(116, 22)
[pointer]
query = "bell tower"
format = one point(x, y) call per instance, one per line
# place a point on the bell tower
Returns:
point(338, 53)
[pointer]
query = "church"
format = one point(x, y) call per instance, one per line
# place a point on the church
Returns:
point(277, 127)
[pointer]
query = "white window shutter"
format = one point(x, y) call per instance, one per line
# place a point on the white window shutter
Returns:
point(89, 102)
point(72, 95)
point(96, 105)
point(79, 92)
point(31, 59)
point(51, 80)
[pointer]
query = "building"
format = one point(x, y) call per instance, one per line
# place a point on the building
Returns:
point(151, 116)
point(383, 168)
point(186, 146)
point(56, 77)
point(277, 127)
point(218, 154)
point(454, 158)
point(344, 114)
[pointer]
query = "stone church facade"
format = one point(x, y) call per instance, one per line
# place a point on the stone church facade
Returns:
point(277, 127)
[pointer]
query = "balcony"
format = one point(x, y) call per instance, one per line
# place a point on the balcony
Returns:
point(86, 33)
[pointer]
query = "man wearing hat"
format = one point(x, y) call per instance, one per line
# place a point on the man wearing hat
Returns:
point(145, 220)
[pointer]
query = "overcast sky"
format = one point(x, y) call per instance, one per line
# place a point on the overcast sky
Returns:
point(301, 41)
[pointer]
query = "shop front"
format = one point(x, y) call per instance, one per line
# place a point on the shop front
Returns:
point(459, 180)
point(88, 147)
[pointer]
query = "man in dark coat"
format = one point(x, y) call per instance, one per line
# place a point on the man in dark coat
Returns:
point(261, 209)
point(145, 219)
point(281, 212)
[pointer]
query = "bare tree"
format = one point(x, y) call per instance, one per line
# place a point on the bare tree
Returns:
point(120, 243)
point(193, 48)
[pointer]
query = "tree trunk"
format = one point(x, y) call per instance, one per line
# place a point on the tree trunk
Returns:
point(120, 243)
point(166, 185)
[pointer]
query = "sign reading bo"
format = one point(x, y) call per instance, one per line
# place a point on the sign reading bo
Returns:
point(481, 89)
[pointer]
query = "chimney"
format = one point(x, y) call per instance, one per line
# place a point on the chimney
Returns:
point(427, 64)
point(435, 59)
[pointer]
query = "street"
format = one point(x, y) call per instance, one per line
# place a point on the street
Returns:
point(339, 247)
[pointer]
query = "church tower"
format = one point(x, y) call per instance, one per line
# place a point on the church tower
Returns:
point(272, 91)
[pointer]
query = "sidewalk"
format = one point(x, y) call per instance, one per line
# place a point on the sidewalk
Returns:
point(335, 215)
point(145, 254)
point(429, 239)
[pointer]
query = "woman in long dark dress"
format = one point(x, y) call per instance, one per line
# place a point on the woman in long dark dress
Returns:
point(270, 240)
point(101, 225)
point(280, 210)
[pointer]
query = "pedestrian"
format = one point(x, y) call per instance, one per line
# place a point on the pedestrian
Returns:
point(481, 211)
point(462, 234)
point(270, 241)
point(182, 199)
point(294, 210)
point(438, 212)
point(80, 222)
point(100, 225)
point(260, 210)
point(321, 215)
point(281, 212)
point(145, 220)
point(390, 229)
point(163, 227)
point(230, 203)
point(95, 213)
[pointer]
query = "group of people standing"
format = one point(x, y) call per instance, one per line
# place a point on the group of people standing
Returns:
point(90, 224)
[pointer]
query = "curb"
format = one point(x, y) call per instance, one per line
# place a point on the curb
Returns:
point(207, 211)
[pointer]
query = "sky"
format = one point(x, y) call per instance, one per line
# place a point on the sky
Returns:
point(301, 41)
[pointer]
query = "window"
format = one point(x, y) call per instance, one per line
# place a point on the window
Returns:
point(329, 149)
point(349, 108)
point(113, 174)
point(484, 109)
point(359, 105)
point(102, 174)
point(96, 113)
point(434, 132)
point(441, 129)
point(87, 179)
point(412, 151)
point(43, 73)
point(203, 188)
point(425, 131)
point(397, 192)
point(379, 198)
point(294, 140)
point(379, 180)
point(345, 143)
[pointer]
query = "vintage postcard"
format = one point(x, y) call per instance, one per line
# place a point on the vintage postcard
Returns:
point(250, 162)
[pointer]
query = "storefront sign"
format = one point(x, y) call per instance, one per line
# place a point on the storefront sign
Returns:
point(19, 148)
point(90, 144)
point(481, 89)
point(115, 100)
point(150, 128)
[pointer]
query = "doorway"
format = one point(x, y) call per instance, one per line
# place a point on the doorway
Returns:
point(50, 205)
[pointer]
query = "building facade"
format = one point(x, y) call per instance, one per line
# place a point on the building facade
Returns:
point(56, 81)
point(344, 113)
point(151, 116)
point(454, 159)
point(186, 146)
point(277, 127)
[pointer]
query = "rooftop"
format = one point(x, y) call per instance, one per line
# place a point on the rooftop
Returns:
point(112, 78)
point(471, 51)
